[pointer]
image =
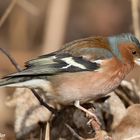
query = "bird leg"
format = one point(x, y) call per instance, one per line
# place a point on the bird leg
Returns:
point(77, 104)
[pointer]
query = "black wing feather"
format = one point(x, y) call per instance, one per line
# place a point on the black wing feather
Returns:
point(55, 64)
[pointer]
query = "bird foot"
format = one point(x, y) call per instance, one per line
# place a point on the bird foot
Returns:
point(91, 114)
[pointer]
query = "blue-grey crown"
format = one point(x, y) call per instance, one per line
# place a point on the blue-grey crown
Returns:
point(115, 40)
point(131, 38)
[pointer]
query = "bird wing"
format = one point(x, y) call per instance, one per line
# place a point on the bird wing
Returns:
point(57, 64)
point(72, 58)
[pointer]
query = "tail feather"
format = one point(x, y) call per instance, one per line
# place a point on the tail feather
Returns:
point(5, 82)
point(27, 82)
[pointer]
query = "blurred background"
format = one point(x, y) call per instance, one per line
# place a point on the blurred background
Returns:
point(35, 27)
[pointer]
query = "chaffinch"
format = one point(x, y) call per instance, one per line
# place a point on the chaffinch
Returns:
point(83, 70)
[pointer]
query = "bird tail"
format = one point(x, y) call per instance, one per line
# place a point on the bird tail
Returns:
point(11, 82)
point(26, 82)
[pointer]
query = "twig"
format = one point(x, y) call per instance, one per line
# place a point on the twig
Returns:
point(43, 103)
point(42, 130)
point(29, 7)
point(123, 96)
point(101, 135)
point(135, 17)
point(12, 60)
point(74, 133)
point(53, 16)
point(135, 89)
point(47, 134)
point(7, 12)
point(127, 84)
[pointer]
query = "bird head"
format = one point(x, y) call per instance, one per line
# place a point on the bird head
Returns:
point(126, 47)
point(135, 49)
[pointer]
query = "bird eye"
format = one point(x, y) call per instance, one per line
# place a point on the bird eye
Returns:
point(134, 52)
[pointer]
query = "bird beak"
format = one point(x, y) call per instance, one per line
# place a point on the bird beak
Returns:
point(137, 61)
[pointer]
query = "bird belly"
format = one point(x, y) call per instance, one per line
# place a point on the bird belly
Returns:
point(85, 86)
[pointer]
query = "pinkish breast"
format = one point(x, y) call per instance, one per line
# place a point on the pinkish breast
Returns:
point(85, 86)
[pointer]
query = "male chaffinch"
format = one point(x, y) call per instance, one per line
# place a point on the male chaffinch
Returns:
point(82, 70)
